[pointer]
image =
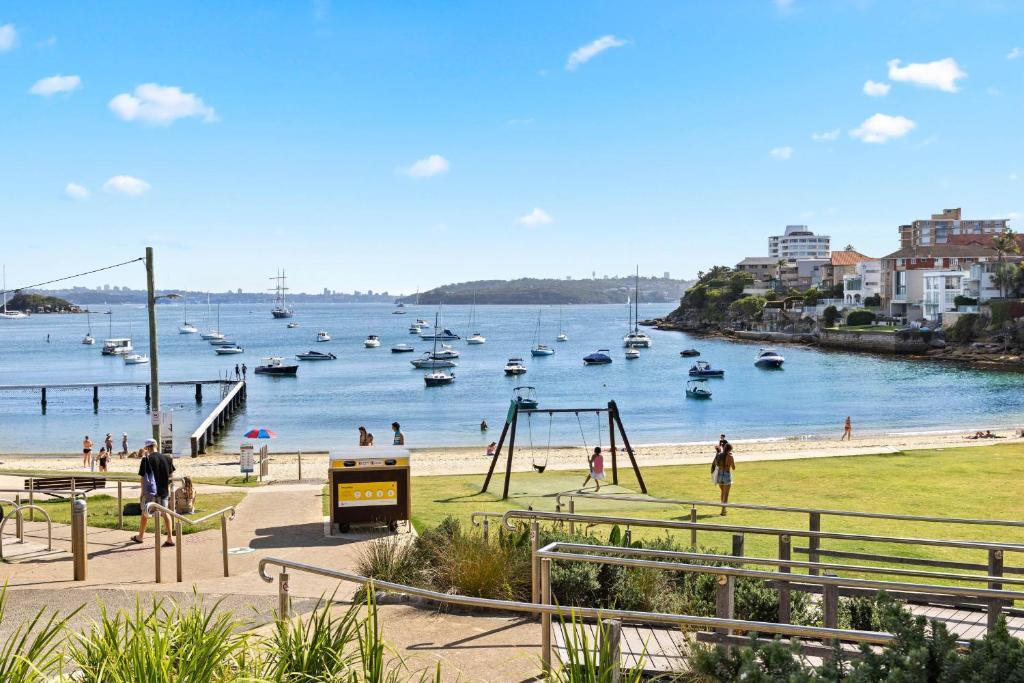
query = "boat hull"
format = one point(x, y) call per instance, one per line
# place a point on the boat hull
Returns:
point(228, 352)
point(515, 371)
point(431, 364)
point(283, 370)
point(698, 394)
point(542, 352)
point(707, 373)
point(438, 381)
point(316, 356)
point(770, 363)
point(281, 313)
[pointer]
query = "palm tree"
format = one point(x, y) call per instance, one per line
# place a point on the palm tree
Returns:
point(779, 265)
point(1004, 243)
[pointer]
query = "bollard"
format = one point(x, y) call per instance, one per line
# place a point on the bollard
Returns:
point(610, 633)
point(283, 611)
point(224, 542)
point(545, 619)
point(79, 541)
point(534, 564)
point(19, 519)
point(487, 528)
point(300, 465)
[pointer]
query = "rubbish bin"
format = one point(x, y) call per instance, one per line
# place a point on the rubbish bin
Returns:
point(369, 486)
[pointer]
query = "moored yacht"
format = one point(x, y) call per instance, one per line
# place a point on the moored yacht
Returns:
point(372, 341)
point(117, 347)
point(599, 357)
point(515, 366)
point(769, 358)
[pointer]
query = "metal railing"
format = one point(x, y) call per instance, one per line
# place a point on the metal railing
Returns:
point(814, 549)
point(829, 585)
point(19, 516)
point(547, 610)
point(177, 521)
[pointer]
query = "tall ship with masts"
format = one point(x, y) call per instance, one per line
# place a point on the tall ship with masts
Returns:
point(280, 289)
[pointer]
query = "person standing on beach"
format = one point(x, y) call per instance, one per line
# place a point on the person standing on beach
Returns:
point(104, 456)
point(155, 470)
point(108, 442)
point(847, 430)
point(124, 445)
point(86, 450)
point(596, 462)
point(399, 439)
point(721, 472)
point(363, 436)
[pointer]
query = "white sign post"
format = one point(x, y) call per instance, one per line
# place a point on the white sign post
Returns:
point(246, 461)
point(166, 418)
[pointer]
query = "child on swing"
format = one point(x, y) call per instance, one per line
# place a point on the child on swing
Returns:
point(596, 462)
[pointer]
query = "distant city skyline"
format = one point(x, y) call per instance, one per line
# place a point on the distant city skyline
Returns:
point(389, 147)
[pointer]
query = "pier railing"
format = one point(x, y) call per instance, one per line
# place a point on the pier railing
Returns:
point(814, 551)
point(218, 418)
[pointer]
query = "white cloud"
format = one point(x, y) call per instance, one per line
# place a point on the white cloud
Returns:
point(826, 136)
point(876, 89)
point(535, 218)
point(55, 84)
point(782, 153)
point(784, 6)
point(161, 105)
point(1015, 53)
point(584, 54)
point(76, 191)
point(941, 74)
point(881, 128)
point(126, 184)
point(8, 37)
point(427, 167)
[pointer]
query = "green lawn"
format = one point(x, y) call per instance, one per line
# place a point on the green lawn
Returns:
point(983, 481)
point(102, 511)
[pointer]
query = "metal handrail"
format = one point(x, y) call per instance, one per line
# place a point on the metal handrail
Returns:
point(18, 513)
point(180, 519)
point(670, 524)
point(783, 508)
point(792, 630)
point(550, 551)
point(795, 564)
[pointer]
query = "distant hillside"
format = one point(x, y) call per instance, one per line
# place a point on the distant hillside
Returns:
point(538, 291)
point(38, 303)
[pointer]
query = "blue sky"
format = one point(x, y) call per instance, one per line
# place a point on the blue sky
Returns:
point(396, 145)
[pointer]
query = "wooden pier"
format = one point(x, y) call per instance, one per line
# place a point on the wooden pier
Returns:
point(96, 386)
point(217, 419)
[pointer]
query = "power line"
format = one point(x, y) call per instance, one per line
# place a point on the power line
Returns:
point(71, 277)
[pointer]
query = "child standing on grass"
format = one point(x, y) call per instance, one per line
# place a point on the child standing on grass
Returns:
point(596, 462)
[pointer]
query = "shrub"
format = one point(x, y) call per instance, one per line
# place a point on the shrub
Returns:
point(873, 301)
point(390, 558)
point(859, 317)
point(811, 296)
point(830, 315)
point(964, 330)
point(29, 653)
point(961, 300)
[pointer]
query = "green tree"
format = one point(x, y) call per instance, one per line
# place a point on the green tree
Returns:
point(830, 315)
point(811, 296)
point(1005, 243)
point(748, 308)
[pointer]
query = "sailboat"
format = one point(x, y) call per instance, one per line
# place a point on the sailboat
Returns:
point(437, 377)
point(538, 348)
point(635, 338)
point(9, 315)
point(115, 346)
point(186, 327)
point(476, 338)
point(280, 309)
point(215, 333)
point(133, 358)
point(562, 336)
point(88, 339)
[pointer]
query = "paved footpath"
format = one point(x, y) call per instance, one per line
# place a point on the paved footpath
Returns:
point(281, 520)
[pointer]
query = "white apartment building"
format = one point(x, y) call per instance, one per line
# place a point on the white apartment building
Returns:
point(864, 282)
point(798, 243)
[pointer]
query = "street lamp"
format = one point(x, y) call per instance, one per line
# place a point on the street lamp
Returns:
point(154, 361)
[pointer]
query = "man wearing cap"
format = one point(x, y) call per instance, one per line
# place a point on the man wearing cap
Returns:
point(155, 470)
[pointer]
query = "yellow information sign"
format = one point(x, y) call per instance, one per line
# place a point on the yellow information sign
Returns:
point(367, 493)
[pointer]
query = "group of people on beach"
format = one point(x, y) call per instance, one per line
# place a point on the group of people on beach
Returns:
point(106, 452)
point(397, 436)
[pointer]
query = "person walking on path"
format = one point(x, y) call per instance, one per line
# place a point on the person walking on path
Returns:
point(86, 450)
point(847, 430)
point(155, 470)
point(124, 445)
point(596, 462)
point(399, 439)
point(722, 468)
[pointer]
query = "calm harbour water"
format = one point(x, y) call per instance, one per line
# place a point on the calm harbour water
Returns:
point(323, 405)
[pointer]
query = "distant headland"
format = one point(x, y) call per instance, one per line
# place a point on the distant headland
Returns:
point(610, 290)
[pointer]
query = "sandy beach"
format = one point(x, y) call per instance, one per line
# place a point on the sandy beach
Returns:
point(471, 460)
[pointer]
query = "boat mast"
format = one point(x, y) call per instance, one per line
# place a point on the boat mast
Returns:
point(636, 302)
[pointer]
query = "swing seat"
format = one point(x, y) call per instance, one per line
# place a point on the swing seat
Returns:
point(540, 468)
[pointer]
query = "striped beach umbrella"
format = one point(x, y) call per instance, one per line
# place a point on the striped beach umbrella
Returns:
point(261, 433)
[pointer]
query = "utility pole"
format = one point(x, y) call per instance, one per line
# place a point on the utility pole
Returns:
point(154, 363)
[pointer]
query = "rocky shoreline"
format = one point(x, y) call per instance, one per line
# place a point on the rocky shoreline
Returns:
point(977, 355)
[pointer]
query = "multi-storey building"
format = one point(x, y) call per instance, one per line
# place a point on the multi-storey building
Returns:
point(864, 282)
point(763, 268)
point(798, 243)
point(921, 282)
point(942, 227)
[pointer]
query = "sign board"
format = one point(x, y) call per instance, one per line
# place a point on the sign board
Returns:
point(167, 432)
point(154, 417)
point(246, 461)
point(367, 493)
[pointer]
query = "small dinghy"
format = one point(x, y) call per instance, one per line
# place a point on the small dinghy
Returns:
point(689, 353)
point(228, 350)
point(599, 357)
point(703, 369)
point(402, 348)
point(697, 388)
point(315, 355)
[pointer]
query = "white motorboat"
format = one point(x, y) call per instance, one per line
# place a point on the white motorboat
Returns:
point(425, 362)
point(402, 348)
point(632, 353)
point(135, 359)
point(415, 328)
point(117, 347)
point(515, 366)
point(437, 377)
point(292, 325)
point(446, 353)
point(769, 358)
point(323, 336)
point(221, 342)
point(697, 388)
point(443, 335)
point(476, 338)
point(636, 338)
point(315, 355)
point(372, 341)
point(228, 350)
point(562, 337)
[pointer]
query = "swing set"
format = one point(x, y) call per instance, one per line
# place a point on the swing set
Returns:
point(512, 424)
